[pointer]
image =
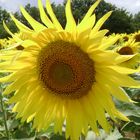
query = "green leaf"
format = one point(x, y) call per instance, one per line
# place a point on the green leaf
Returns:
point(135, 119)
point(3, 138)
point(130, 126)
point(1, 115)
point(20, 134)
point(13, 124)
point(132, 92)
point(128, 109)
point(2, 128)
point(46, 133)
point(57, 137)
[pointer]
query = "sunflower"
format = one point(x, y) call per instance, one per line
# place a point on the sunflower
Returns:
point(122, 38)
point(112, 42)
point(125, 37)
point(1, 46)
point(130, 48)
point(63, 77)
point(3, 43)
point(136, 36)
point(12, 42)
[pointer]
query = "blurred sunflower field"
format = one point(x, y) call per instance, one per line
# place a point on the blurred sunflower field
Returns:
point(70, 72)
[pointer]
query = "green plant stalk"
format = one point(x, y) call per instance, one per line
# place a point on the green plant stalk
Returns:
point(82, 137)
point(4, 115)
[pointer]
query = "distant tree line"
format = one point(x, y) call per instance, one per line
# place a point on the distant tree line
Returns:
point(120, 21)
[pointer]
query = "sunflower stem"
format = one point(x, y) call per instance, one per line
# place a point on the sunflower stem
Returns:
point(82, 137)
point(4, 114)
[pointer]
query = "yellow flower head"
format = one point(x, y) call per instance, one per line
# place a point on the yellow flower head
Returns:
point(3, 43)
point(62, 75)
point(11, 43)
point(122, 38)
point(136, 36)
point(125, 37)
point(110, 42)
point(130, 48)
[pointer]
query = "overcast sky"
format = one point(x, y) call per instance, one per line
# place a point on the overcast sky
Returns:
point(133, 6)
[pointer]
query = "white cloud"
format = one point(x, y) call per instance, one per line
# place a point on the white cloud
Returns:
point(3, 1)
point(10, 5)
point(13, 5)
point(132, 6)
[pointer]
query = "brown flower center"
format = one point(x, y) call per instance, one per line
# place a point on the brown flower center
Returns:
point(117, 42)
point(137, 38)
point(64, 69)
point(126, 51)
point(125, 38)
point(20, 47)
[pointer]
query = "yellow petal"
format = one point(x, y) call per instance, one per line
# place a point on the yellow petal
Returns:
point(43, 15)
point(104, 58)
point(14, 36)
point(100, 113)
point(74, 121)
point(52, 15)
point(117, 78)
point(35, 24)
point(101, 21)
point(90, 11)
point(106, 44)
point(19, 94)
point(15, 85)
point(123, 58)
point(21, 26)
point(119, 93)
point(87, 25)
point(101, 33)
point(12, 76)
point(28, 43)
point(88, 108)
point(71, 24)
point(122, 117)
point(123, 70)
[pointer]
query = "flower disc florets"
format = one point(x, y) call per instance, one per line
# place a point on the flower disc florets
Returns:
point(126, 51)
point(65, 69)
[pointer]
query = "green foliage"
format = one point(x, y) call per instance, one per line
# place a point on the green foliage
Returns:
point(59, 11)
point(137, 21)
point(4, 16)
point(33, 11)
point(119, 22)
point(132, 110)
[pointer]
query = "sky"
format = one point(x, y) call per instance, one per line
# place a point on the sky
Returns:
point(132, 6)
